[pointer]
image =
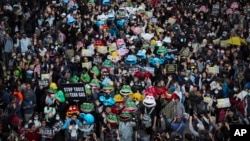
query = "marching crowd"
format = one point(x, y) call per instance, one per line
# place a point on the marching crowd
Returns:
point(123, 70)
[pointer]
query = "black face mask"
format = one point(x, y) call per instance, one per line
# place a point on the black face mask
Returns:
point(107, 96)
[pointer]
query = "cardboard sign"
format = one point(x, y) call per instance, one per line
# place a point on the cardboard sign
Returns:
point(74, 92)
point(87, 65)
point(223, 103)
point(171, 68)
point(45, 76)
point(44, 83)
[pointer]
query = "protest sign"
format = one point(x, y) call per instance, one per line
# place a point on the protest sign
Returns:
point(47, 132)
point(74, 92)
point(45, 76)
point(171, 68)
point(43, 83)
point(214, 70)
point(223, 103)
point(87, 65)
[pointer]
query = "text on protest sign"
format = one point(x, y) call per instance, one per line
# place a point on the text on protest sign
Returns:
point(74, 92)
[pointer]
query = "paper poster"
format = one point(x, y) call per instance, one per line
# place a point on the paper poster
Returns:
point(102, 50)
point(207, 99)
point(224, 43)
point(214, 70)
point(223, 103)
point(215, 9)
point(214, 85)
point(185, 52)
point(87, 65)
point(45, 76)
point(87, 53)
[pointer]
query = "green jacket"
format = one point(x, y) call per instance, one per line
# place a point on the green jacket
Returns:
point(167, 108)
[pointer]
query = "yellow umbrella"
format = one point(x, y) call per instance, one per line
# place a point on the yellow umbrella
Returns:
point(234, 41)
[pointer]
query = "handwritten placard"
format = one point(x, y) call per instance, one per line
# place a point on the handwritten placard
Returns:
point(171, 68)
point(223, 103)
point(87, 52)
point(74, 92)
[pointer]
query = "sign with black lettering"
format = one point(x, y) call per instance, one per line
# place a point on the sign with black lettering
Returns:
point(47, 132)
point(43, 83)
point(237, 131)
point(171, 68)
point(74, 92)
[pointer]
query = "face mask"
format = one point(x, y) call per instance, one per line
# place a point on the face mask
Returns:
point(216, 91)
point(189, 44)
point(236, 89)
point(208, 79)
point(137, 102)
point(142, 84)
point(36, 118)
point(26, 126)
point(210, 46)
point(222, 51)
point(57, 118)
point(186, 78)
point(131, 84)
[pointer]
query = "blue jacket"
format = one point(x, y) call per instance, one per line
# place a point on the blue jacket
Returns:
point(67, 123)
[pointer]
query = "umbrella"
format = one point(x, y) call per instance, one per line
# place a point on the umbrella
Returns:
point(147, 36)
point(234, 5)
point(106, 2)
point(229, 11)
point(137, 30)
point(203, 8)
point(71, 20)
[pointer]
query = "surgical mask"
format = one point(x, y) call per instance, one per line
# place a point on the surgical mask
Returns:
point(189, 44)
point(208, 79)
point(210, 46)
point(57, 118)
point(131, 84)
point(216, 91)
point(222, 51)
point(236, 89)
point(36, 118)
point(186, 78)
point(137, 102)
point(26, 126)
point(143, 84)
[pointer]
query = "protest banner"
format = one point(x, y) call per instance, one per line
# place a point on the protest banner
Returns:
point(171, 68)
point(47, 132)
point(74, 92)
point(44, 83)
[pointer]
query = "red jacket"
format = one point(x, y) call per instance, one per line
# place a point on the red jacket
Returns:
point(32, 136)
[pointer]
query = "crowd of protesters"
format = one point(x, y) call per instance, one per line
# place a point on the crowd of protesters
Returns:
point(182, 66)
